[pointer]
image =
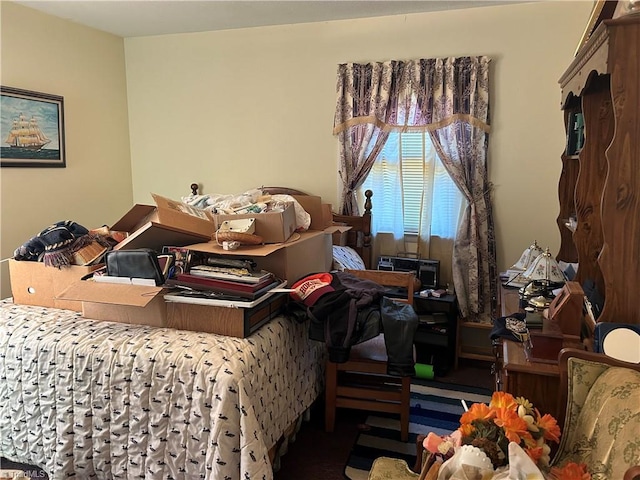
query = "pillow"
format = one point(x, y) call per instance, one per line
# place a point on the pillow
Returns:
point(346, 258)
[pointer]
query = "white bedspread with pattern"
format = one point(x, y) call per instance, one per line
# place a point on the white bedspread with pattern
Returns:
point(109, 400)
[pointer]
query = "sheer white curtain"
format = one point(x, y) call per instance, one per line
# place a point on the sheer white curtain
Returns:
point(385, 180)
point(416, 201)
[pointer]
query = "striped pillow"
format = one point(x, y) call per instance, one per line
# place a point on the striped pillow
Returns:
point(346, 258)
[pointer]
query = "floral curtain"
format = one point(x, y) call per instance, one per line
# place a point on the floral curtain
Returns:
point(448, 97)
point(367, 103)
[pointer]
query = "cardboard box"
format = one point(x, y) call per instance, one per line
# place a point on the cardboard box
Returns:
point(322, 218)
point(273, 227)
point(321, 214)
point(338, 233)
point(135, 304)
point(235, 322)
point(33, 283)
point(167, 223)
point(310, 253)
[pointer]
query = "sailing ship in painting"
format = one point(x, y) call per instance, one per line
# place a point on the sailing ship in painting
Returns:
point(26, 135)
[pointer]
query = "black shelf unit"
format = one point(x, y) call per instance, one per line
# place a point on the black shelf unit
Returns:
point(435, 339)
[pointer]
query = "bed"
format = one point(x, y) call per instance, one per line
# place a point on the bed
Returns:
point(100, 399)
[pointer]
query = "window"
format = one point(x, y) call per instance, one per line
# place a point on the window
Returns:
point(409, 177)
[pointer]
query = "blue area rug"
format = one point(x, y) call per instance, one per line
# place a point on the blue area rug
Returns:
point(435, 407)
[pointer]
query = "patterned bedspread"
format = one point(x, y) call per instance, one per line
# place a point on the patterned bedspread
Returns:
point(109, 400)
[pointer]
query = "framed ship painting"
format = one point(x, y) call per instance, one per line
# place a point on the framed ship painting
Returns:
point(32, 129)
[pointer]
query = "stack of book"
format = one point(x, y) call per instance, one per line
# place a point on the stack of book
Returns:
point(233, 282)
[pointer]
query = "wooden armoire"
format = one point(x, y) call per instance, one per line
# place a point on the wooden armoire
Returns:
point(599, 188)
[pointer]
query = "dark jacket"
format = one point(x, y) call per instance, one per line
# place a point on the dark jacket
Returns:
point(357, 310)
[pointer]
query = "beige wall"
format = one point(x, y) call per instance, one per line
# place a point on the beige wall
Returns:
point(86, 67)
point(238, 109)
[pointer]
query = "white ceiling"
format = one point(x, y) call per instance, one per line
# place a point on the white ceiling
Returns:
point(127, 18)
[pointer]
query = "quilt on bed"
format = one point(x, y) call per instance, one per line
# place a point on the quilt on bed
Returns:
point(110, 400)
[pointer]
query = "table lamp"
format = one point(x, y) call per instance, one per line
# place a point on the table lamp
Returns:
point(545, 268)
point(516, 277)
point(528, 256)
point(542, 276)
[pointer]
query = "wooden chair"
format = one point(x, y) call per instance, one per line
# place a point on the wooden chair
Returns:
point(362, 382)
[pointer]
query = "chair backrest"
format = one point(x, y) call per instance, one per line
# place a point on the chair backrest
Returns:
point(602, 397)
point(403, 280)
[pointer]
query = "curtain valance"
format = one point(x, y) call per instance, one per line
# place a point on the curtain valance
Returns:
point(425, 94)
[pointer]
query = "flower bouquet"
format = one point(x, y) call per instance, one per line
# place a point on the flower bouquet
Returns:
point(506, 420)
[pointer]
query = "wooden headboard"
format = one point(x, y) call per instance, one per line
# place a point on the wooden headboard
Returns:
point(359, 237)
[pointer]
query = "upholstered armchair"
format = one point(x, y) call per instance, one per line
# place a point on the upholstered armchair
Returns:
point(601, 424)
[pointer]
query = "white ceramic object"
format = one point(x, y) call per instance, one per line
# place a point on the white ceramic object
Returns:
point(465, 455)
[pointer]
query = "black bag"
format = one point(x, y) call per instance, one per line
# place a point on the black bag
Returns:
point(399, 323)
point(137, 263)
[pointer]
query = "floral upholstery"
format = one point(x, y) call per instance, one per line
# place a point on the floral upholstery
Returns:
point(387, 468)
point(346, 258)
point(602, 427)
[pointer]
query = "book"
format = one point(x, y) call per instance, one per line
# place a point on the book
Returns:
point(201, 298)
point(219, 291)
point(215, 283)
point(233, 274)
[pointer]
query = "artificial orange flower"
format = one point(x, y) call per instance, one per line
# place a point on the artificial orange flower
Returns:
point(503, 400)
point(507, 419)
point(535, 453)
point(571, 471)
point(549, 426)
point(466, 429)
point(478, 411)
point(515, 428)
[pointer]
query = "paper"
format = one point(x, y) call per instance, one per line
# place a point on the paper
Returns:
point(147, 282)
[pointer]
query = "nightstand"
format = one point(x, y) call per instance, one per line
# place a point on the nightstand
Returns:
point(435, 339)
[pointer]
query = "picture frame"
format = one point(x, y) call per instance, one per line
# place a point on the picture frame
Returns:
point(602, 10)
point(31, 129)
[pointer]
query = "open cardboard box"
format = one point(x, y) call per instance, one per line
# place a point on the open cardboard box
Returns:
point(145, 305)
point(34, 283)
point(338, 233)
point(273, 227)
point(313, 205)
point(168, 222)
point(292, 260)
point(134, 304)
point(322, 218)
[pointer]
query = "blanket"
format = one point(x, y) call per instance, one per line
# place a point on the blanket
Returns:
point(110, 400)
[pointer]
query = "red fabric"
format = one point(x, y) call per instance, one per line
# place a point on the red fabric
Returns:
point(310, 288)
